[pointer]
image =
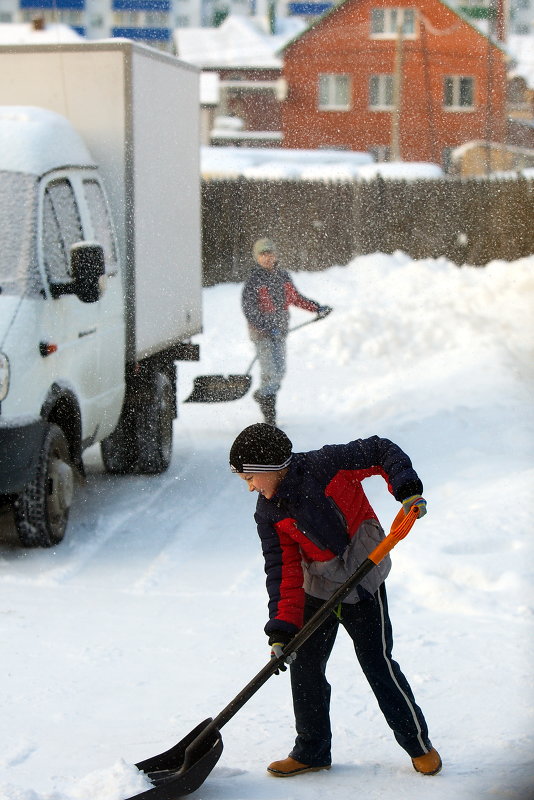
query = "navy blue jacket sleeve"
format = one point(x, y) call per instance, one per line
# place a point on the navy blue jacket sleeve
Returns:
point(379, 456)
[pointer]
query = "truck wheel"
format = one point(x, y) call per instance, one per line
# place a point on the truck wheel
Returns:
point(41, 510)
point(154, 426)
point(119, 449)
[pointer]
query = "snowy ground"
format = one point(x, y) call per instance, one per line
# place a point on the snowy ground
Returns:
point(148, 618)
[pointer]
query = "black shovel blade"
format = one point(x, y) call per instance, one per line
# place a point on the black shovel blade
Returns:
point(219, 388)
point(182, 769)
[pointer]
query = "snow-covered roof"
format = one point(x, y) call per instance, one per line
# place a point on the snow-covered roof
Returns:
point(521, 50)
point(239, 42)
point(25, 33)
point(278, 163)
point(35, 141)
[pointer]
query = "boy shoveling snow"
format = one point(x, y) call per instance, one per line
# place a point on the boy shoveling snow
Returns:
point(316, 526)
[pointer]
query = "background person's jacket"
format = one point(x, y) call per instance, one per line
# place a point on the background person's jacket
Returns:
point(266, 297)
point(320, 525)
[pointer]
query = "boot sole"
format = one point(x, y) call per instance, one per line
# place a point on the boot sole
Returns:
point(278, 774)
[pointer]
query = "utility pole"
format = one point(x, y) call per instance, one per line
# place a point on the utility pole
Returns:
point(502, 11)
point(397, 92)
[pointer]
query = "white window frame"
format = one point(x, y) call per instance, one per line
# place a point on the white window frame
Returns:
point(391, 17)
point(386, 91)
point(328, 85)
point(456, 104)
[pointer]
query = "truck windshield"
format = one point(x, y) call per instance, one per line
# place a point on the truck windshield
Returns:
point(19, 272)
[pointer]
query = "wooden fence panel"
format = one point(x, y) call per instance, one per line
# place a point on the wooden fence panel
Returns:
point(317, 224)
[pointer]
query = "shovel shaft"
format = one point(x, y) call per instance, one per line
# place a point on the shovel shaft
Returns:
point(183, 768)
point(223, 389)
point(400, 528)
point(295, 328)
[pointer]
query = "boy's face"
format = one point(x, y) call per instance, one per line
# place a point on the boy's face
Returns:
point(266, 483)
point(267, 259)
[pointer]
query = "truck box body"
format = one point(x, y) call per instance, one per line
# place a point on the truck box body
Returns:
point(135, 108)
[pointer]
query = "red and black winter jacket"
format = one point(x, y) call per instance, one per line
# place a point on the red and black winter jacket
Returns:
point(317, 510)
point(267, 295)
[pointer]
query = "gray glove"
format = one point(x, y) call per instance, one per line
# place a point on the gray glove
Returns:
point(415, 500)
point(278, 640)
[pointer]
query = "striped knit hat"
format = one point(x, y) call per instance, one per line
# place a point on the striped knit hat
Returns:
point(260, 448)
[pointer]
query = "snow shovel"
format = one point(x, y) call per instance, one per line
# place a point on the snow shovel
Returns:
point(182, 769)
point(224, 388)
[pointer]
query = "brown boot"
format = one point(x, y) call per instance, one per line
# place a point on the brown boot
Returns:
point(289, 766)
point(429, 764)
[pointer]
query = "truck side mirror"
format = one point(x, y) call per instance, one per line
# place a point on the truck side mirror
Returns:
point(87, 267)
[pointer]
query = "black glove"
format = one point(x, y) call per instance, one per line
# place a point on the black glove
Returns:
point(278, 640)
point(323, 311)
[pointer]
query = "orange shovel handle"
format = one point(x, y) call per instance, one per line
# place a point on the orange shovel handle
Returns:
point(400, 528)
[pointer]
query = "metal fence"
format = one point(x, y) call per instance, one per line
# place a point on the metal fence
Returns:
point(317, 224)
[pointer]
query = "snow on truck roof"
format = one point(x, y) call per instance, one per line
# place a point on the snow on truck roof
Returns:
point(35, 141)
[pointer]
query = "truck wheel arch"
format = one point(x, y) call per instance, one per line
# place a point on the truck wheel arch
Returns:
point(61, 408)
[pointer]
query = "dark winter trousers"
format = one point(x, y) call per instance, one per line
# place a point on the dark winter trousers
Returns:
point(367, 623)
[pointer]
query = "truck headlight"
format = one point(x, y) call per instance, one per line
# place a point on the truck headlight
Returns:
point(4, 376)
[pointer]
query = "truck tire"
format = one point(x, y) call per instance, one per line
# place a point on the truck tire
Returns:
point(41, 510)
point(154, 426)
point(119, 450)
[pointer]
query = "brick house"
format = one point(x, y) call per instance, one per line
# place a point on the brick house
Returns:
point(344, 90)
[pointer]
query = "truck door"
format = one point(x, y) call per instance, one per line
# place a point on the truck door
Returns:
point(111, 324)
point(68, 323)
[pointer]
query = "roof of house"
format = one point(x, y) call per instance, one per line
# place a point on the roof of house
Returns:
point(318, 21)
point(239, 42)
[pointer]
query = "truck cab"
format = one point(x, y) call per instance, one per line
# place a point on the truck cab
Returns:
point(62, 334)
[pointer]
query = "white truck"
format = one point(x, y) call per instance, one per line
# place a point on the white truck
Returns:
point(100, 266)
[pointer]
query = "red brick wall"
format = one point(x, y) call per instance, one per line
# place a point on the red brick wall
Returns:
point(341, 43)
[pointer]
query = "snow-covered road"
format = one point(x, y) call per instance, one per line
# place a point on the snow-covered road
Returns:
point(148, 618)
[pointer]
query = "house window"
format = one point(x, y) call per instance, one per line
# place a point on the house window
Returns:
point(385, 22)
point(156, 19)
point(381, 91)
point(334, 92)
point(458, 92)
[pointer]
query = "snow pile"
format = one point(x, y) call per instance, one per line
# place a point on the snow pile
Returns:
point(148, 618)
point(119, 781)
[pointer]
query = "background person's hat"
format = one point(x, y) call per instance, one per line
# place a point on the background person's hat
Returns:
point(260, 448)
point(263, 246)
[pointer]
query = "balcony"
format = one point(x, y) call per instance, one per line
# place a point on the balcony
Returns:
point(63, 5)
point(143, 34)
point(308, 9)
point(142, 5)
